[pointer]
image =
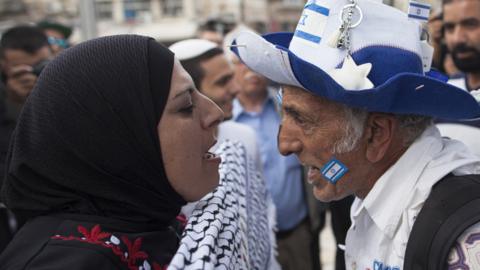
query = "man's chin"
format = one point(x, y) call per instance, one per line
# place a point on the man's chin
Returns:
point(470, 64)
point(327, 194)
point(322, 195)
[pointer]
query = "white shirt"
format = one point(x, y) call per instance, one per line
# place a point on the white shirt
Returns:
point(382, 222)
point(459, 82)
point(233, 131)
point(469, 135)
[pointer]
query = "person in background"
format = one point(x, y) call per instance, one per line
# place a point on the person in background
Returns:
point(213, 30)
point(213, 76)
point(461, 29)
point(57, 34)
point(241, 174)
point(442, 58)
point(24, 52)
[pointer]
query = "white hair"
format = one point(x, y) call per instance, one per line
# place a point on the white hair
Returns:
point(354, 122)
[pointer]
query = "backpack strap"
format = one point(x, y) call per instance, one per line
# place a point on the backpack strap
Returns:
point(452, 207)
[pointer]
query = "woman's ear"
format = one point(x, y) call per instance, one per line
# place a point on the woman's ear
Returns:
point(380, 131)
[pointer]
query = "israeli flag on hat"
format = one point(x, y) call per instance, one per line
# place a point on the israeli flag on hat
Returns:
point(312, 22)
point(418, 11)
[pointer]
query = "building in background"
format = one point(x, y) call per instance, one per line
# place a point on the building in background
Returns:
point(284, 14)
point(165, 20)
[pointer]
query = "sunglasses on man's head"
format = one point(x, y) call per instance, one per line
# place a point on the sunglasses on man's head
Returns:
point(58, 41)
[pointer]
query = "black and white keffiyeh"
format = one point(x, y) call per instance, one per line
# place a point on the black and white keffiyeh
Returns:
point(232, 227)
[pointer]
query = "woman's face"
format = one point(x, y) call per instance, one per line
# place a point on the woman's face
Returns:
point(187, 132)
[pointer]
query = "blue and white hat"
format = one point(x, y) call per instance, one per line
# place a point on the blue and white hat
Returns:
point(361, 53)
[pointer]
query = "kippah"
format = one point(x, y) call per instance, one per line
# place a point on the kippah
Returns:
point(191, 48)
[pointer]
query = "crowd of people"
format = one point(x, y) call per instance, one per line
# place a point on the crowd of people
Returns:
point(226, 151)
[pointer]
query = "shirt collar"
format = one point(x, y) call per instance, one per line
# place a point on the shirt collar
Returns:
point(238, 109)
point(389, 197)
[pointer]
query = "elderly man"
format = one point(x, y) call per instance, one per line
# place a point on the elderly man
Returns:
point(358, 104)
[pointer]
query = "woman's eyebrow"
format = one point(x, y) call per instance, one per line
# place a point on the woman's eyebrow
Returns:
point(184, 92)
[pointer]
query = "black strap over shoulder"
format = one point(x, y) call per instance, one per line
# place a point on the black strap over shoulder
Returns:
point(452, 207)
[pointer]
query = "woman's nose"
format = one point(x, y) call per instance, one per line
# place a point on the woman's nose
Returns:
point(212, 115)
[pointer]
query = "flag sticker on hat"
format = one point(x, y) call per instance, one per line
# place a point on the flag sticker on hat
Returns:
point(418, 11)
point(312, 22)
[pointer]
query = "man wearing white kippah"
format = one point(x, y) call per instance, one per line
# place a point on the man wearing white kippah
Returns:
point(213, 76)
point(358, 105)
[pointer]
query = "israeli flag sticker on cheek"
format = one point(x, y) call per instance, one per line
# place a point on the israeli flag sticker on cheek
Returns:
point(333, 170)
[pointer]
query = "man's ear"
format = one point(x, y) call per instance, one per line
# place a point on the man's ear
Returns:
point(380, 131)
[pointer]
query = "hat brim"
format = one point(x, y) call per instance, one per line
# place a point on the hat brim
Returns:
point(404, 93)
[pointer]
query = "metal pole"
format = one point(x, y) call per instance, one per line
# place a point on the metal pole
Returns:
point(88, 20)
point(242, 11)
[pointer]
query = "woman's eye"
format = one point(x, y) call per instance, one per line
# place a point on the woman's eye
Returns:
point(188, 109)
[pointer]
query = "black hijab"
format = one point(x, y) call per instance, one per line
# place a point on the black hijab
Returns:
point(86, 141)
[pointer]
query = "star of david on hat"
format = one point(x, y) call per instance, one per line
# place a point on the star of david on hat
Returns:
point(361, 53)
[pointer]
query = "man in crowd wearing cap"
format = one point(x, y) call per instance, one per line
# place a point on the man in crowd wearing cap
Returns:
point(358, 105)
point(213, 76)
point(24, 51)
point(57, 35)
point(461, 28)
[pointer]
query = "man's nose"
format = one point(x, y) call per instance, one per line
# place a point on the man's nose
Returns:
point(288, 143)
point(233, 88)
point(459, 35)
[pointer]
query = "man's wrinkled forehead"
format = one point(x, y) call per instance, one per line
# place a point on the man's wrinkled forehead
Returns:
point(304, 101)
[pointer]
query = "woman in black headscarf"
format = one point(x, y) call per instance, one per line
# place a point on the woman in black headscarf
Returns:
point(110, 144)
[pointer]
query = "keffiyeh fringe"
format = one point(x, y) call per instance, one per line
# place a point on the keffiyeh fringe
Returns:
point(232, 227)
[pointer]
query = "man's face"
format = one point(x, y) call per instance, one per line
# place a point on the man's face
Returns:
point(462, 33)
point(218, 84)
point(57, 40)
point(249, 82)
point(310, 128)
point(17, 66)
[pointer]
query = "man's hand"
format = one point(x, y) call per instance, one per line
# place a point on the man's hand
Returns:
point(20, 82)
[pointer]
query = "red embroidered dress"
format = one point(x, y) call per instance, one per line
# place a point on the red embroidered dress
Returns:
point(132, 256)
point(54, 243)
